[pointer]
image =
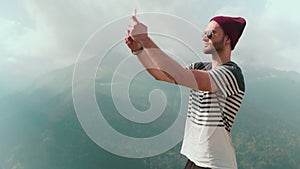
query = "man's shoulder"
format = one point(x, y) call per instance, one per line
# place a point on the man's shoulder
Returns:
point(232, 65)
point(237, 72)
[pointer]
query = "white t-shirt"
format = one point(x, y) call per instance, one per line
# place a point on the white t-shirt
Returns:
point(207, 139)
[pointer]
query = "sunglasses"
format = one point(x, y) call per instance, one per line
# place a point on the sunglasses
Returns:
point(208, 34)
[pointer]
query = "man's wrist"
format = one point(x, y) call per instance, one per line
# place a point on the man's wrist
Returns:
point(148, 43)
point(138, 51)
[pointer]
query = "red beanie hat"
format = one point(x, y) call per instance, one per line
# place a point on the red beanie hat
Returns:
point(232, 26)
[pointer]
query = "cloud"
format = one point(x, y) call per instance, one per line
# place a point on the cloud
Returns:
point(60, 28)
point(53, 32)
point(271, 38)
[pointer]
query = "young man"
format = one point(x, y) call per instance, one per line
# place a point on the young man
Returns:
point(217, 89)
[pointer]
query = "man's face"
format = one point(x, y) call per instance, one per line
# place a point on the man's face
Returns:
point(217, 40)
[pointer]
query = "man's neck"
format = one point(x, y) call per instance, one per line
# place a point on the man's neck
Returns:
point(219, 58)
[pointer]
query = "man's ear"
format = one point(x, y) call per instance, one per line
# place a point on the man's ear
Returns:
point(227, 40)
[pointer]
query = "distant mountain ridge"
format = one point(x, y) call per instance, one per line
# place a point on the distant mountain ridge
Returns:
point(40, 129)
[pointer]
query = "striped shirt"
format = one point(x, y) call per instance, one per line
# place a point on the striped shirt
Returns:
point(211, 115)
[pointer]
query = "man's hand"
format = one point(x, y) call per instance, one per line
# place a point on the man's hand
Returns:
point(133, 45)
point(136, 30)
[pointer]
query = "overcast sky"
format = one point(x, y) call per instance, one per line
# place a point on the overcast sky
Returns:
point(37, 36)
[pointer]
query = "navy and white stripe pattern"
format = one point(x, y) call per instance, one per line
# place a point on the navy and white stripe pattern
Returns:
point(217, 109)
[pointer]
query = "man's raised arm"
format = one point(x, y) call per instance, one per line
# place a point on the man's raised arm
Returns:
point(195, 79)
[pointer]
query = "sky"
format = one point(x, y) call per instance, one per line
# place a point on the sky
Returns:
point(39, 36)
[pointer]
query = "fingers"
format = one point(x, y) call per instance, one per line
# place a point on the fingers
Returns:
point(134, 20)
point(127, 33)
point(133, 13)
point(127, 38)
point(132, 30)
point(129, 30)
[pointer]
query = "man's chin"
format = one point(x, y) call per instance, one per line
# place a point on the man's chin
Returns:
point(207, 51)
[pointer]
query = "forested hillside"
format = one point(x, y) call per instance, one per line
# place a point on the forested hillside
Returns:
point(39, 127)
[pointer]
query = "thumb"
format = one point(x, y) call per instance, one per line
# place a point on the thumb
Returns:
point(133, 17)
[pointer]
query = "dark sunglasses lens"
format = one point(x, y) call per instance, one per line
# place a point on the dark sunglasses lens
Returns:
point(209, 34)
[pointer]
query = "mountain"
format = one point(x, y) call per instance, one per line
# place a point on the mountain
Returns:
point(266, 134)
point(39, 126)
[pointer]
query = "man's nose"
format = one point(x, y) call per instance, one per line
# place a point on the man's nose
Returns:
point(205, 38)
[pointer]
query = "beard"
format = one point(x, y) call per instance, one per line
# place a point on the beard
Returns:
point(217, 46)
